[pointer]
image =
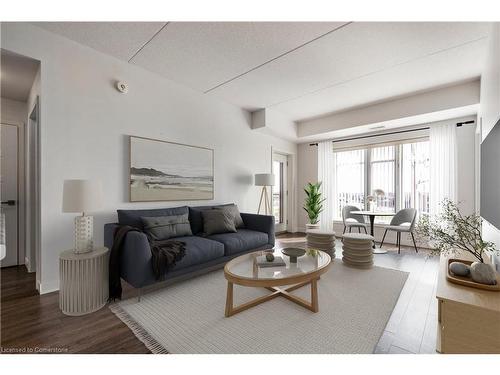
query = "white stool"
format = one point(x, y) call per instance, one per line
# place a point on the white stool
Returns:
point(357, 250)
point(83, 281)
point(321, 240)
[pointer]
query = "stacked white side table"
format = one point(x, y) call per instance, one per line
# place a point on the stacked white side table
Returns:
point(83, 281)
point(357, 250)
point(321, 240)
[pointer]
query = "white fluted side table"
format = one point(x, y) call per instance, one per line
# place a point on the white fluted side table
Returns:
point(83, 280)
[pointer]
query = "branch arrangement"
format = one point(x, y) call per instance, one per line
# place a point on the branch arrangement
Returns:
point(450, 231)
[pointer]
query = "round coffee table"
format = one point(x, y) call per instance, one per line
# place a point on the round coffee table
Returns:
point(244, 271)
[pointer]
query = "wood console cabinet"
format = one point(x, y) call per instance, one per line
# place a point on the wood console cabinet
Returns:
point(468, 318)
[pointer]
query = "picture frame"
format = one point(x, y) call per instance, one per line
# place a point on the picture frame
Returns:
point(162, 171)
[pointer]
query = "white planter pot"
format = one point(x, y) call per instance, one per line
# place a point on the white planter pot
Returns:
point(311, 227)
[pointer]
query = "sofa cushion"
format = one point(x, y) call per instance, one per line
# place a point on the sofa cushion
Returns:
point(235, 212)
point(242, 240)
point(133, 217)
point(217, 221)
point(165, 227)
point(199, 250)
point(196, 218)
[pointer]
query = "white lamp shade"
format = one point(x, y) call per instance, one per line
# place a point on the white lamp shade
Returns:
point(82, 196)
point(264, 179)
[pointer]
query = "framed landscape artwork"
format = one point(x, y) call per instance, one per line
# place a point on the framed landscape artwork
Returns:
point(167, 171)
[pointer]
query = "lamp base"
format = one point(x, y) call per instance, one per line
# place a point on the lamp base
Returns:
point(84, 234)
point(264, 199)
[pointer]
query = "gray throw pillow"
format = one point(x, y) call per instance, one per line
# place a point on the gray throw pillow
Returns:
point(217, 221)
point(233, 210)
point(165, 227)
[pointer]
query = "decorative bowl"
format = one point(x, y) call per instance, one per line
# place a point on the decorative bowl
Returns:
point(293, 253)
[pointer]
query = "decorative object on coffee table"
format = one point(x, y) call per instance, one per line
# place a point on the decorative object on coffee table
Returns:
point(450, 231)
point(293, 253)
point(265, 180)
point(263, 261)
point(83, 281)
point(321, 240)
point(357, 250)
point(307, 271)
point(313, 204)
point(82, 196)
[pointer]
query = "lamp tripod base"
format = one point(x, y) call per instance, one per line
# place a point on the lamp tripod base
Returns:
point(264, 199)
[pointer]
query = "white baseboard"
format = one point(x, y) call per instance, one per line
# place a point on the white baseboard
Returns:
point(48, 286)
point(27, 263)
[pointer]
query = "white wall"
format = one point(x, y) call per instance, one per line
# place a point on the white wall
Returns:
point(437, 100)
point(15, 112)
point(85, 123)
point(490, 110)
point(308, 171)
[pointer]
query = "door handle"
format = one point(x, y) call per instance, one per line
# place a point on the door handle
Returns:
point(9, 202)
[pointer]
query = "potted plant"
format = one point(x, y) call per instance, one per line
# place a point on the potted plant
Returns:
point(313, 204)
point(450, 231)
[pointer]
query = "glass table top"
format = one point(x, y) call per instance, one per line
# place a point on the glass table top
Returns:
point(245, 266)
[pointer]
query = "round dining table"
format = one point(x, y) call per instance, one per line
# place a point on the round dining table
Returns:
point(371, 215)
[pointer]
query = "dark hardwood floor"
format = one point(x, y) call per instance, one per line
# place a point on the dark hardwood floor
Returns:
point(33, 323)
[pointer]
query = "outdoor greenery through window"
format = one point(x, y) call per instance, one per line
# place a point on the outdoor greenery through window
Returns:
point(401, 171)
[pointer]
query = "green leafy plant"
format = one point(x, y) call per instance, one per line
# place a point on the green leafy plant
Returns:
point(313, 204)
point(450, 231)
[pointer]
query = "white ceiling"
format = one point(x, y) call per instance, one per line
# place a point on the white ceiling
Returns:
point(203, 55)
point(17, 74)
point(118, 39)
point(300, 69)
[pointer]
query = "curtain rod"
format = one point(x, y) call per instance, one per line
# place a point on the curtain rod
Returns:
point(459, 124)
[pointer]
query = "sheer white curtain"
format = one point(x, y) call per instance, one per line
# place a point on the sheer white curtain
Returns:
point(443, 165)
point(326, 174)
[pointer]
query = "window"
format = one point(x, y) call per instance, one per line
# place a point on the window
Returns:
point(401, 171)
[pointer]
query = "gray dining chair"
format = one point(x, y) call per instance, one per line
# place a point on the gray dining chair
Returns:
point(402, 222)
point(352, 220)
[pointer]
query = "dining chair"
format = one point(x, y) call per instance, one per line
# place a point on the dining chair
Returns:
point(402, 222)
point(352, 220)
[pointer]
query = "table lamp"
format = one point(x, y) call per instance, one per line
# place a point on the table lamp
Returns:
point(82, 196)
point(264, 180)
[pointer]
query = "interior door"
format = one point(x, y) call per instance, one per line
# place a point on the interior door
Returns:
point(280, 192)
point(8, 192)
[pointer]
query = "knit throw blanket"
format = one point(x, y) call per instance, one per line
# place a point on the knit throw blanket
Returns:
point(164, 255)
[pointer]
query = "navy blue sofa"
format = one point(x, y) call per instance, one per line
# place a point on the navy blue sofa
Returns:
point(202, 253)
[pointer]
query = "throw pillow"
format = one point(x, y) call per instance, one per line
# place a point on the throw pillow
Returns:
point(165, 227)
point(233, 210)
point(217, 221)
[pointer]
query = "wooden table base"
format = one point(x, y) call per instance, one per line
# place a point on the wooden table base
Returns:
point(313, 305)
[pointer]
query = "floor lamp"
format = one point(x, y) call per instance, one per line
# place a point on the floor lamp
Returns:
point(264, 180)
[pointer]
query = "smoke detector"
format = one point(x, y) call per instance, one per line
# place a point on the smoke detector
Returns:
point(122, 87)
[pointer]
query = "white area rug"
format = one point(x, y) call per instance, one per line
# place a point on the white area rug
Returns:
point(354, 307)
